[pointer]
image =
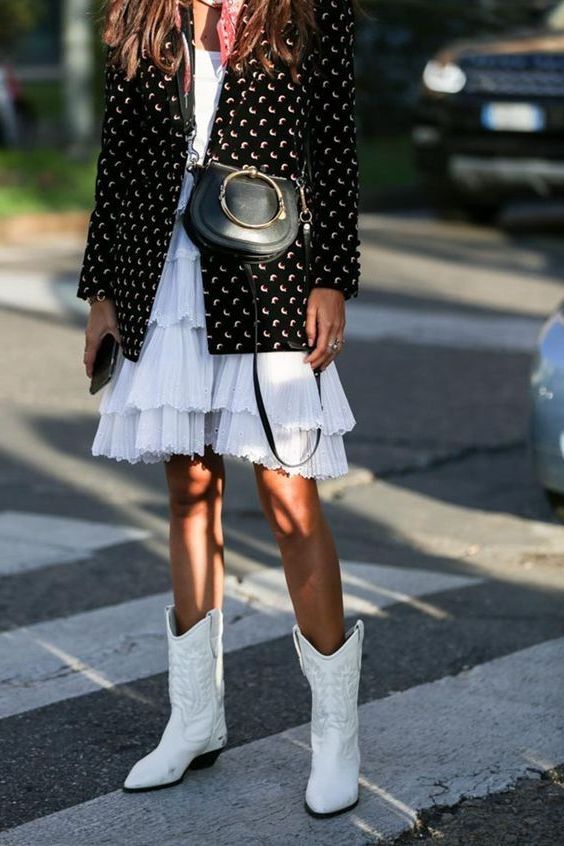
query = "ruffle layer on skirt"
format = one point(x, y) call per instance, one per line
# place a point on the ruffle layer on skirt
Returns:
point(177, 397)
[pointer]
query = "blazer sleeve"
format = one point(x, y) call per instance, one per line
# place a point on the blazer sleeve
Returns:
point(335, 242)
point(112, 176)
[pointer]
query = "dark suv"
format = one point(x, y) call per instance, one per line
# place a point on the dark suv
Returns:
point(490, 119)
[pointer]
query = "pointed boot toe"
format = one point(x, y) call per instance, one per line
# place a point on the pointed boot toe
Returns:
point(162, 767)
point(147, 775)
point(326, 797)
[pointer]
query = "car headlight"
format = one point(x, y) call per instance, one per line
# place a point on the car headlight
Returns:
point(444, 78)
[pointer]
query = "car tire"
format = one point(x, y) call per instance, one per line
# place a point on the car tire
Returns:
point(556, 502)
point(484, 213)
point(451, 204)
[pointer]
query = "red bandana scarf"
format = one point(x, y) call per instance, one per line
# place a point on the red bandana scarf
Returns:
point(225, 29)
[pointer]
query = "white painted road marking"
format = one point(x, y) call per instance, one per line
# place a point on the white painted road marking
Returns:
point(366, 322)
point(465, 735)
point(97, 649)
point(40, 292)
point(30, 541)
point(442, 329)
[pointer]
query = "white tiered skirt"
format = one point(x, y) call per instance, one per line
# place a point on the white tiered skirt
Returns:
point(177, 397)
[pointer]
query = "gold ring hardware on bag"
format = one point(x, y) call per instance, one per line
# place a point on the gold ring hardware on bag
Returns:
point(254, 173)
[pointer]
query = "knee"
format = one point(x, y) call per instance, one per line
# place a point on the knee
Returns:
point(197, 494)
point(293, 519)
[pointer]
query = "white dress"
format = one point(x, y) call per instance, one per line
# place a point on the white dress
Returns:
point(177, 397)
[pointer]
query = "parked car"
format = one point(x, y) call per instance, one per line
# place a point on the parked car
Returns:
point(489, 122)
point(547, 410)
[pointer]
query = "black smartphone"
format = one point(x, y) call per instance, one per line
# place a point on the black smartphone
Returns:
point(104, 363)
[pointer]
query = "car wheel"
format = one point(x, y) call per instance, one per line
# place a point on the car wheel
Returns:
point(451, 204)
point(480, 212)
point(556, 501)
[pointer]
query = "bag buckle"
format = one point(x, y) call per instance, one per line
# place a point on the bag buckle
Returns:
point(254, 173)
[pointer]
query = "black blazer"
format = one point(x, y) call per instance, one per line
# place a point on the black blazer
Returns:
point(141, 166)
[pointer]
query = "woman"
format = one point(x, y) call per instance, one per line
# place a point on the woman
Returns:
point(182, 391)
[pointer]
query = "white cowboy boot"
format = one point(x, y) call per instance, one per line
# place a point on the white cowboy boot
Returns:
point(333, 781)
point(196, 732)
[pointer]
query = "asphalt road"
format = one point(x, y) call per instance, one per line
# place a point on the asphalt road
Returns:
point(449, 553)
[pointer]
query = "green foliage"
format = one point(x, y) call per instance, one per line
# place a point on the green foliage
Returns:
point(45, 98)
point(385, 162)
point(17, 17)
point(44, 180)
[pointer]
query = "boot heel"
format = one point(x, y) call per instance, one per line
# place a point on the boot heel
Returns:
point(208, 759)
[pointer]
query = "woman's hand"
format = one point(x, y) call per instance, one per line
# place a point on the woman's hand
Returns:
point(325, 324)
point(101, 320)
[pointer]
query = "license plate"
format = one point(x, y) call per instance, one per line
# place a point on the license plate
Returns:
point(513, 117)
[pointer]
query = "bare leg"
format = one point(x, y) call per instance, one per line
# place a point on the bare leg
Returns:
point(196, 538)
point(292, 507)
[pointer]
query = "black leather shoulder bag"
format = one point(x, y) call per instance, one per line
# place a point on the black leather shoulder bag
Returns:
point(245, 213)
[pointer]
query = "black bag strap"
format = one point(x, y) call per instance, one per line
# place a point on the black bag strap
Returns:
point(258, 394)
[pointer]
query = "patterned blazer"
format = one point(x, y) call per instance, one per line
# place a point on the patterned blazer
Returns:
point(257, 120)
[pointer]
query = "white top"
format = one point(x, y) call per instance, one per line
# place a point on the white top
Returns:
point(208, 75)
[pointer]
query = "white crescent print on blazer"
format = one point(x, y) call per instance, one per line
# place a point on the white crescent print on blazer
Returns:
point(258, 120)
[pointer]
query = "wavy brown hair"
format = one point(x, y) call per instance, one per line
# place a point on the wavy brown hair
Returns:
point(135, 28)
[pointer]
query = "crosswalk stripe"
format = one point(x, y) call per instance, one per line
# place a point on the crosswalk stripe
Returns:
point(443, 329)
point(37, 292)
point(71, 656)
point(502, 719)
point(30, 541)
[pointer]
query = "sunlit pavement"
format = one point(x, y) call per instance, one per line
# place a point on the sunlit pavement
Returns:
point(449, 553)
